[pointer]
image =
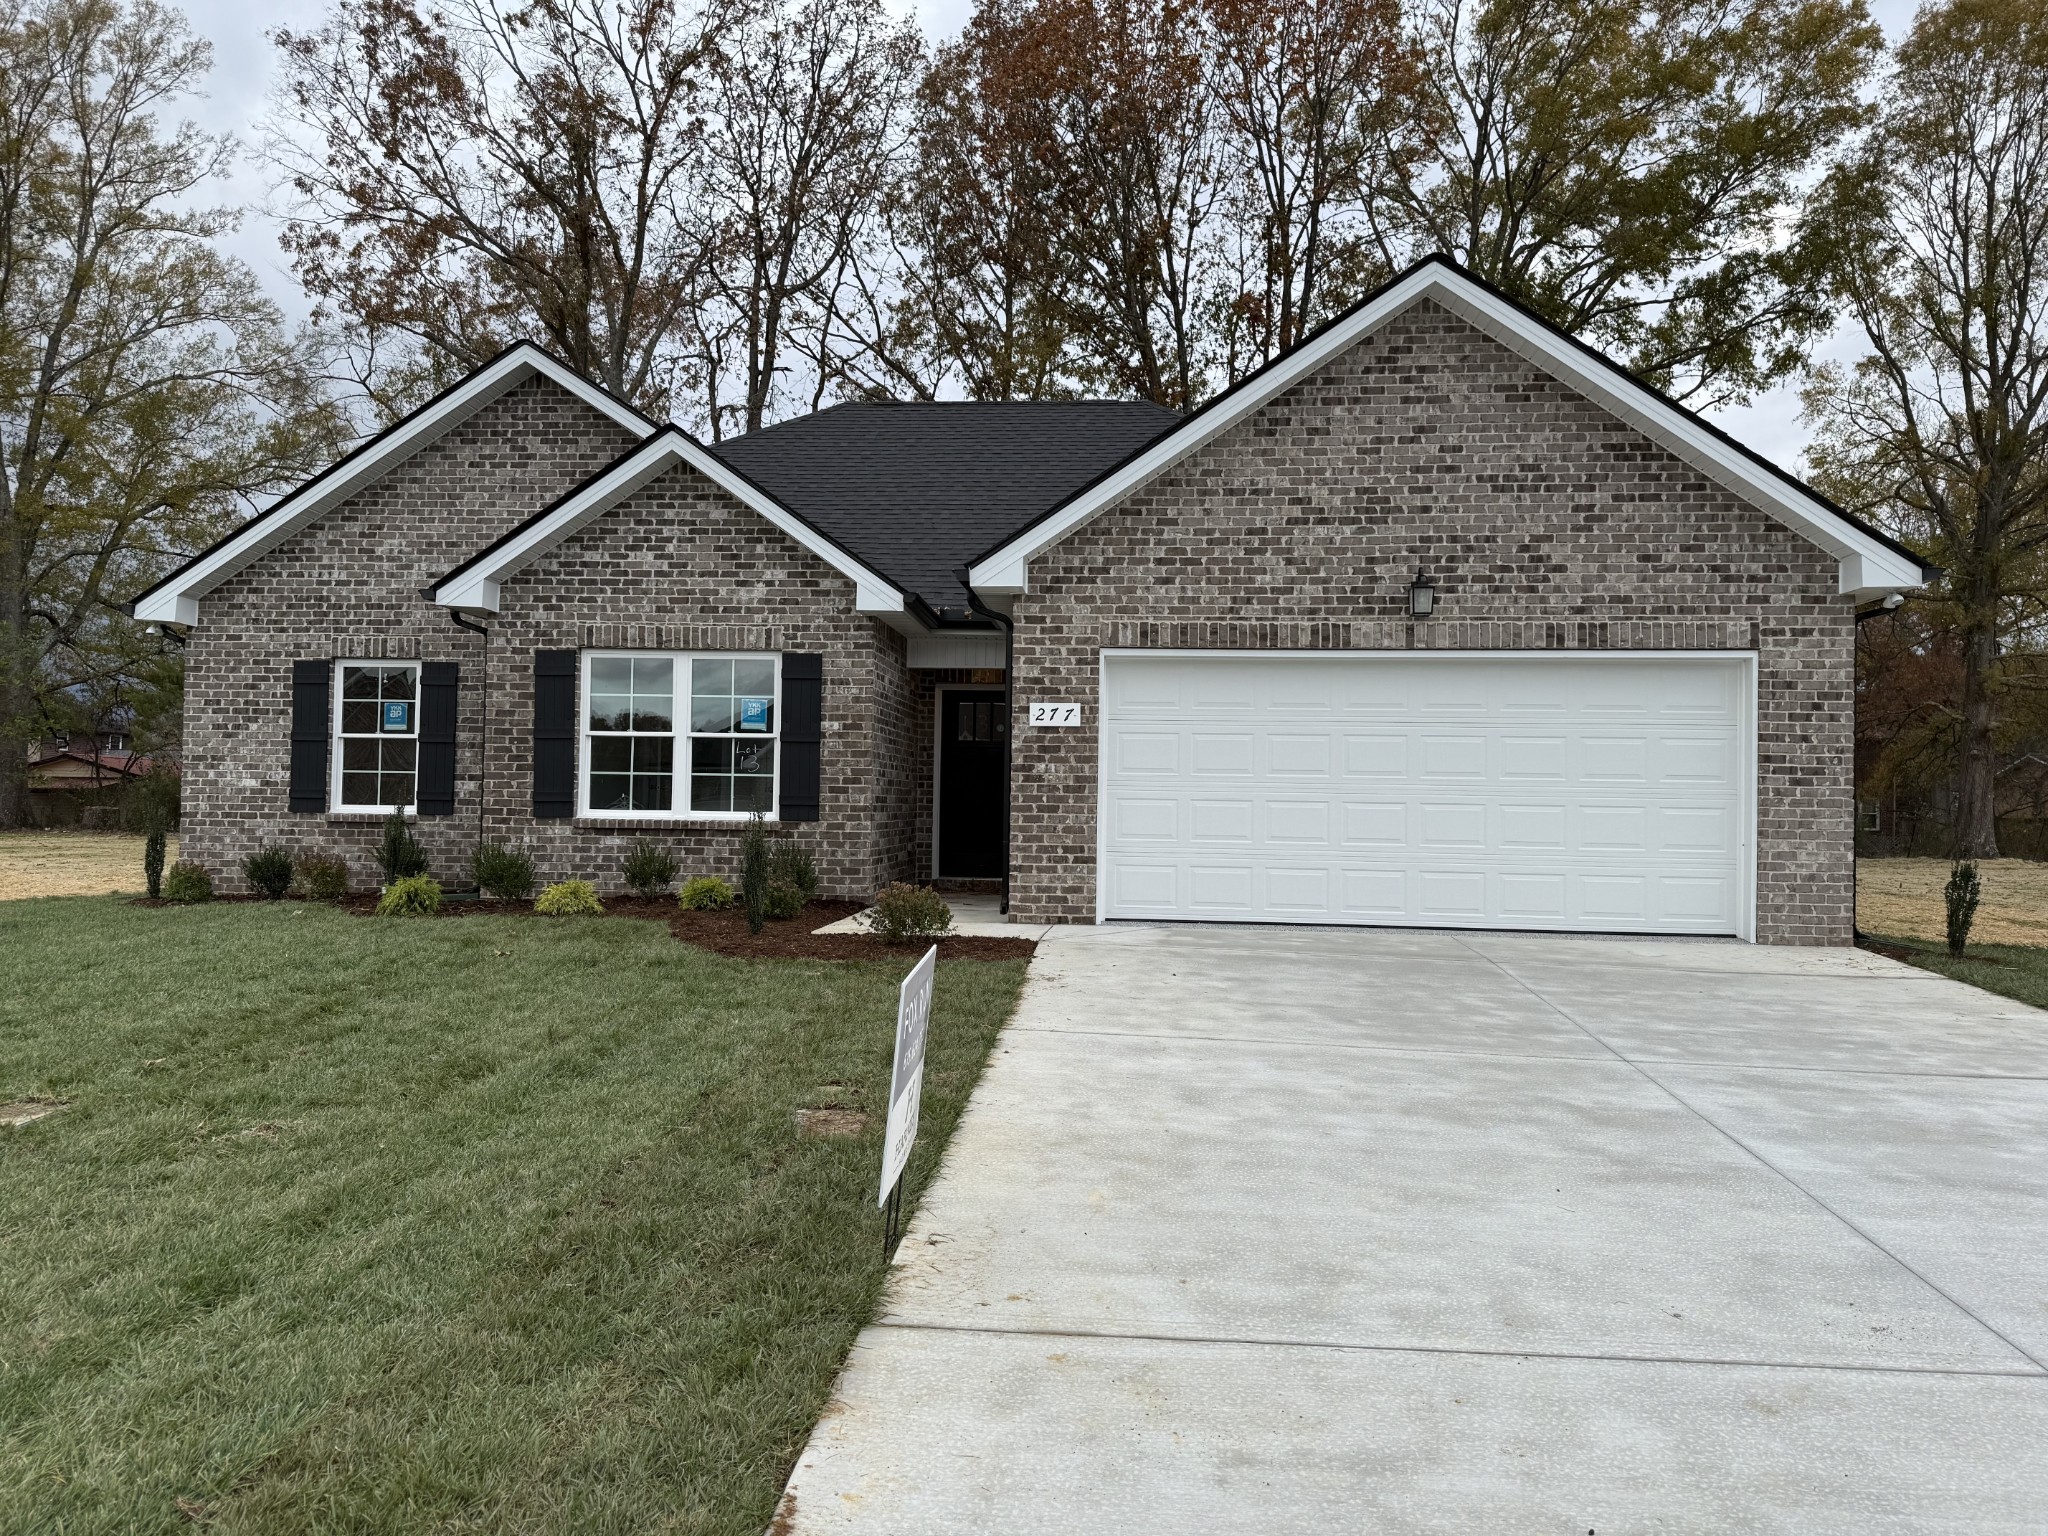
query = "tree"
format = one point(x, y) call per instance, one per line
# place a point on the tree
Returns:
point(1627, 169)
point(1939, 224)
point(479, 174)
point(147, 389)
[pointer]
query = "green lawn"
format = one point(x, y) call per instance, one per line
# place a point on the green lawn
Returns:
point(388, 1225)
point(2011, 970)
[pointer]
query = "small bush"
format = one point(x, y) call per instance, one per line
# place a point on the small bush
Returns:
point(755, 857)
point(505, 873)
point(414, 896)
point(568, 898)
point(790, 864)
point(269, 872)
point(1961, 894)
point(783, 900)
point(650, 869)
point(153, 864)
point(707, 893)
point(187, 882)
point(321, 876)
point(910, 912)
point(399, 856)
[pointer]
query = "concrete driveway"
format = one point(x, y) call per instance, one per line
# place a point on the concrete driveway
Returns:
point(1324, 1231)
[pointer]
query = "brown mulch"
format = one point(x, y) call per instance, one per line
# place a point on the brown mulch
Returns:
point(726, 933)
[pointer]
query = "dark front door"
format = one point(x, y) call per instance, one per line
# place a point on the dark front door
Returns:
point(973, 727)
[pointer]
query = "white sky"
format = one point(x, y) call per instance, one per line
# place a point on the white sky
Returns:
point(243, 69)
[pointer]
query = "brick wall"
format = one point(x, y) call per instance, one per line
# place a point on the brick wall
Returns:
point(1544, 521)
point(349, 586)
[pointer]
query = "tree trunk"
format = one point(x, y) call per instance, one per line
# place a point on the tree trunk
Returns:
point(14, 744)
point(1976, 831)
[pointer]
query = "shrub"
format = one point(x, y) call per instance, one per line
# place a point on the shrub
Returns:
point(755, 856)
point(153, 864)
point(790, 864)
point(506, 873)
point(909, 912)
point(568, 898)
point(1961, 894)
point(322, 876)
point(413, 896)
point(187, 882)
point(268, 871)
point(649, 869)
point(707, 893)
point(399, 856)
point(782, 900)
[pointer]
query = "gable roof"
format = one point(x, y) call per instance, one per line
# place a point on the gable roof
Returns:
point(917, 489)
point(474, 585)
point(175, 599)
point(1870, 564)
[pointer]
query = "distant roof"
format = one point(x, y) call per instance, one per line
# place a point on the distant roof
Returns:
point(918, 489)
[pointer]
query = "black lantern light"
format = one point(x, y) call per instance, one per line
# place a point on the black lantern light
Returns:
point(1421, 597)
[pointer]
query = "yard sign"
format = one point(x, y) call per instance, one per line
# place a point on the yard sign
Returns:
point(906, 1083)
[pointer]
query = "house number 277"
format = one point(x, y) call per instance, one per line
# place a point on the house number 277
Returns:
point(1055, 714)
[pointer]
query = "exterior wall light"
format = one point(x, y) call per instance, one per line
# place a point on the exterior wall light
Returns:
point(1421, 597)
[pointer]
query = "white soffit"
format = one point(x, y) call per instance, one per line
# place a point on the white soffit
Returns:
point(1867, 566)
point(175, 600)
point(474, 587)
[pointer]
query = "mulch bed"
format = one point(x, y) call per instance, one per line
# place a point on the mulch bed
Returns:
point(726, 933)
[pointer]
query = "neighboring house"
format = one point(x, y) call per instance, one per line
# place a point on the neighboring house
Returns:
point(71, 779)
point(1441, 619)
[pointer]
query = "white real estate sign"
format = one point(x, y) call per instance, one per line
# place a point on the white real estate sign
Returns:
point(906, 1083)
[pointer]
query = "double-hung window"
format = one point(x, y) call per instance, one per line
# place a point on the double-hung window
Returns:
point(679, 735)
point(377, 735)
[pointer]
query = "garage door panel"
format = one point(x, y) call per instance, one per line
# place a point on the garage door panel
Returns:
point(1550, 792)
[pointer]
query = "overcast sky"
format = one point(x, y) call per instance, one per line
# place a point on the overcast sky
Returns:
point(243, 70)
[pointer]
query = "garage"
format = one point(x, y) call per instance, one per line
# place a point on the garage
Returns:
point(1589, 791)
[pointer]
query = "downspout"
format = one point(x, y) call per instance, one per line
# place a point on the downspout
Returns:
point(975, 603)
point(483, 740)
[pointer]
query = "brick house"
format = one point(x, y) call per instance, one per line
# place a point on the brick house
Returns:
point(1441, 619)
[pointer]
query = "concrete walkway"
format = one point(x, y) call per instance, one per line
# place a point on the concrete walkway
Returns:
point(1263, 1230)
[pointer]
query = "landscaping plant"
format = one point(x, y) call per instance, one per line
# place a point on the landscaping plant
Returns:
point(322, 876)
point(649, 869)
point(755, 858)
point(790, 864)
point(414, 896)
point(501, 872)
point(707, 893)
point(269, 871)
point(187, 882)
point(153, 863)
point(904, 912)
point(399, 855)
point(568, 898)
point(1961, 894)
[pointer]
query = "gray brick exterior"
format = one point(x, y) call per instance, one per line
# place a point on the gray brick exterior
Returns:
point(1545, 522)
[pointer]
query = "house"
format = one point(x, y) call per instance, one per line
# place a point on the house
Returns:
point(75, 779)
point(1440, 619)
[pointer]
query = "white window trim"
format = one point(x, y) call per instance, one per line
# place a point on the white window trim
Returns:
point(335, 738)
point(682, 737)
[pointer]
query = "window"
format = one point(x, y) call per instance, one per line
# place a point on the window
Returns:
point(670, 735)
point(378, 735)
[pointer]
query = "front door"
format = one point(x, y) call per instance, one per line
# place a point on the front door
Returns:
point(973, 728)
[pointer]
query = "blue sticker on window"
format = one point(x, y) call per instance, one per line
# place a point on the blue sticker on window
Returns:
point(754, 714)
point(397, 714)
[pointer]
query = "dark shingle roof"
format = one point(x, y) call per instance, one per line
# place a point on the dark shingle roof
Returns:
point(916, 490)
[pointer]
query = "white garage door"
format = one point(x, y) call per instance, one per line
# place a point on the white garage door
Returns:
point(1605, 793)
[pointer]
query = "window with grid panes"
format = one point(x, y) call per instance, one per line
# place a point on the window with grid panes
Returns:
point(377, 729)
point(652, 719)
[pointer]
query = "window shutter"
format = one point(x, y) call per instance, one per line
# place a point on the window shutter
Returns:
point(554, 735)
point(436, 792)
point(311, 720)
point(803, 729)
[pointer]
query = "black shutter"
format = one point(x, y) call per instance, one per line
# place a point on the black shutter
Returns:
point(803, 728)
point(311, 681)
point(438, 683)
point(554, 735)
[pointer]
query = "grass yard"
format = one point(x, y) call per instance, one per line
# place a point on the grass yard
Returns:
point(1902, 897)
point(72, 863)
point(378, 1225)
point(2019, 972)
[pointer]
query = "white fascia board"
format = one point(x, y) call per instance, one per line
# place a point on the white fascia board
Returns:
point(176, 601)
point(1868, 566)
point(475, 587)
